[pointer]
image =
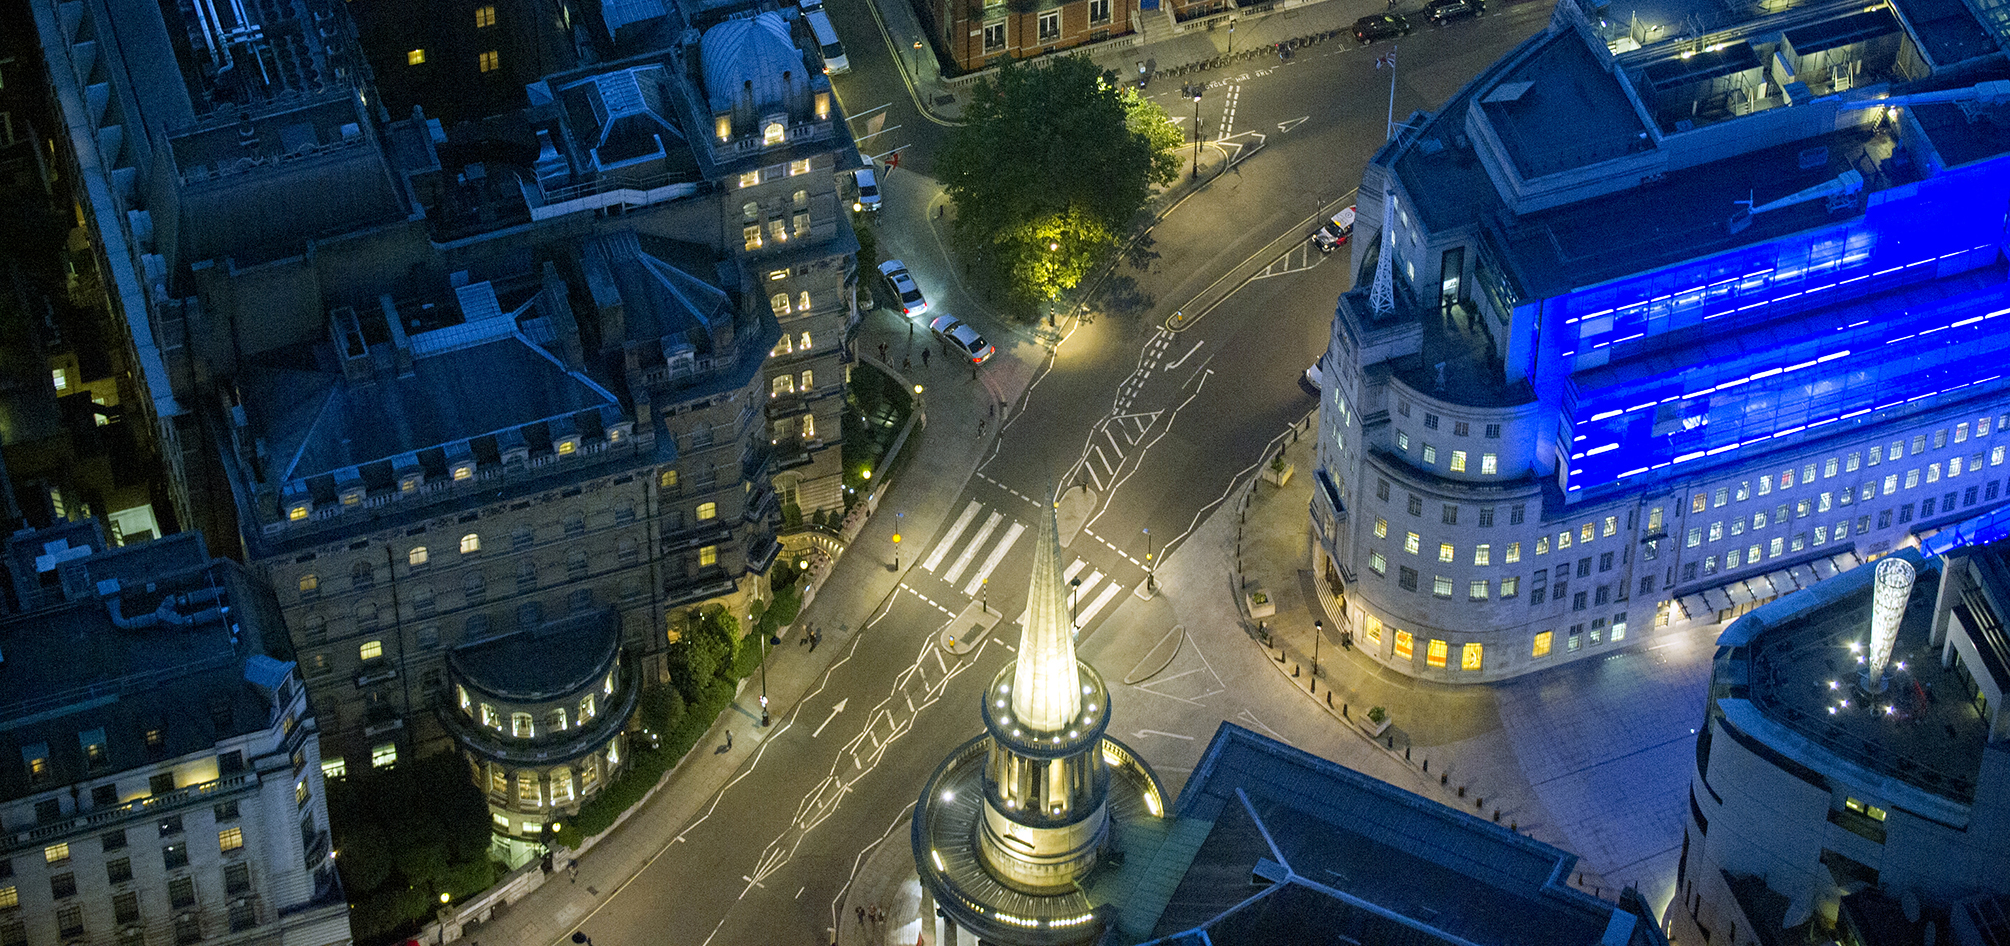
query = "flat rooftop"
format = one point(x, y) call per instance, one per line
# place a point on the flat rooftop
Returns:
point(1920, 731)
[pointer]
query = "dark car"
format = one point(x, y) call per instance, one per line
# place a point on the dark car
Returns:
point(1445, 11)
point(1380, 26)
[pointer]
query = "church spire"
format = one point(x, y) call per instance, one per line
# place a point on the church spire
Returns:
point(1047, 687)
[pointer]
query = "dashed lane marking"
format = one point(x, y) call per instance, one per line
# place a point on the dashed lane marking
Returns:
point(926, 599)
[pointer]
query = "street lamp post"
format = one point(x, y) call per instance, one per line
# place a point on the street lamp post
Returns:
point(1318, 631)
point(917, 60)
point(896, 539)
point(1150, 566)
point(1196, 130)
point(1074, 589)
point(1231, 36)
point(771, 641)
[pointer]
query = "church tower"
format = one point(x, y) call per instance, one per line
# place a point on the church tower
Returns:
point(1011, 830)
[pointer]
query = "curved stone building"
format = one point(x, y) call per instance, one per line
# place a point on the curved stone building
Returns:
point(1012, 828)
point(1654, 326)
point(540, 715)
point(1822, 808)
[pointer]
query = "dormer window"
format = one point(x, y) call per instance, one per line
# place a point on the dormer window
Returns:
point(567, 447)
point(410, 482)
point(464, 471)
point(352, 496)
point(722, 126)
point(773, 134)
point(299, 511)
point(750, 178)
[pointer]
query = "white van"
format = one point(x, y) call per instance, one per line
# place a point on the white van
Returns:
point(826, 37)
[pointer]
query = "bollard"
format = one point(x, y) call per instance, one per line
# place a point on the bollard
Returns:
point(1462, 791)
point(1343, 711)
point(1497, 816)
point(1444, 779)
point(1514, 826)
point(1294, 670)
point(1480, 803)
point(1329, 697)
point(1427, 765)
point(1392, 742)
point(1406, 753)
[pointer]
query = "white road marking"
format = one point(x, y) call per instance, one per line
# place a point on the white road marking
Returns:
point(998, 554)
point(1109, 591)
point(1073, 567)
point(1113, 441)
point(1170, 735)
point(949, 540)
point(1183, 358)
point(1087, 583)
point(970, 551)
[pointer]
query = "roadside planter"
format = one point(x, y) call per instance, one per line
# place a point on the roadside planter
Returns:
point(1376, 722)
point(1279, 472)
point(1259, 604)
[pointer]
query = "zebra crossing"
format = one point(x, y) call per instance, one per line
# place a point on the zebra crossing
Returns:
point(977, 543)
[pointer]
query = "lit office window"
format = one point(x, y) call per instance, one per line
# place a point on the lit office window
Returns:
point(1445, 551)
point(230, 839)
point(1469, 656)
point(371, 650)
point(1542, 644)
point(491, 61)
point(1377, 563)
point(708, 511)
point(1435, 656)
point(485, 16)
point(384, 755)
point(415, 57)
point(1405, 645)
point(1483, 554)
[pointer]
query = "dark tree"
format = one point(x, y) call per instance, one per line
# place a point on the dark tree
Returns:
point(1050, 167)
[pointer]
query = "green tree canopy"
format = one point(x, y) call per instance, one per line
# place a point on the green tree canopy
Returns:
point(1050, 167)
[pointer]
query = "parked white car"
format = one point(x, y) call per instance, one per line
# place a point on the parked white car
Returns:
point(912, 302)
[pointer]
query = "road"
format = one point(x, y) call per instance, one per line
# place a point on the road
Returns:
point(1158, 424)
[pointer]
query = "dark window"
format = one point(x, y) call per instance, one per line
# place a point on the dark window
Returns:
point(1416, 505)
point(1451, 514)
point(1486, 517)
point(236, 879)
point(227, 811)
point(529, 614)
point(1604, 595)
point(575, 526)
point(63, 885)
point(1407, 578)
point(1430, 421)
point(1584, 567)
point(1577, 601)
point(170, 826)
point(119, 870)
point(48, 811)
point(1536, 595)
point(1990, 492)
point(1493, 431)
point(1460, 428)
point(1562, 588)
point(181, 892)
point(175, 855)
point(1905, 513)
point(126, 908)
point(1605, 562)
point(1647, 584)
point(104, 796)
point(1968, 498)
point(13, 933)
point(161, 783)
point(1926, 507)
point(243, 915)
point(187, 930)
point(1947, 501)
point(1689, 572)
point(70, 921)
point(1516, 513)
point(115, 841)
point(1382, 489)
point(230, 763)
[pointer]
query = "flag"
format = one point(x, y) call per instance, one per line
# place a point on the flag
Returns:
point(1386, 59)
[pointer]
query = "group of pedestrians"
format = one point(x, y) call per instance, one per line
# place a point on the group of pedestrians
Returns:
point(812, 635)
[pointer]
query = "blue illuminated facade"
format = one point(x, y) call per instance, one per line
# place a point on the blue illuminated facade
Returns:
point(1668, 341)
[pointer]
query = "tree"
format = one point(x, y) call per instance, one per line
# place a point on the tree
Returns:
point(1050, 167)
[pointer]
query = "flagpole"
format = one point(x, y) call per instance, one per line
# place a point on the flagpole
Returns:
point(1389, 129)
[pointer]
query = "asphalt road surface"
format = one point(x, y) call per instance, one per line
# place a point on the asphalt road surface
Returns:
point(1159, 424)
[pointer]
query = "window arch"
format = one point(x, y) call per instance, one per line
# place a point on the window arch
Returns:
point(780, 303)
point(310, 583)
point(471, 543)
point(475, 584)
point(490, 718)
point(366, 615)
point(585, 708)
point(522, 726)
point(554, 721)
point(363, 575)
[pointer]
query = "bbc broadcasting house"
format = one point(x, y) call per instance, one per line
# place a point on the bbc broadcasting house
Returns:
point(1660, 319)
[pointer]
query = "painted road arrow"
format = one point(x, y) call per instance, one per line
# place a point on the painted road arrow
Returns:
point(835, 710)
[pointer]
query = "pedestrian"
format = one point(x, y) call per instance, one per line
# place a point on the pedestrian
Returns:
point(924, 358)
point(816, 637)
point(907, 364)
point(882, 351)
point(572, 870)
point(860, 910)
point(980, 426)
point(994, 408)
point(729, 740)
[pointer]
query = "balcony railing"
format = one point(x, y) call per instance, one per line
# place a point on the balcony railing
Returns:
point(135, 810)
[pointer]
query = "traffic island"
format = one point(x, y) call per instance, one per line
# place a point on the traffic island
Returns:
point(968, 629)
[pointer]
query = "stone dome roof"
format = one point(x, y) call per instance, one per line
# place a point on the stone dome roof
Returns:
point(757, 51)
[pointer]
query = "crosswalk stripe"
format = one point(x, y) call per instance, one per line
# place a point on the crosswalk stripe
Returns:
point(970, 551)
point(1087, 583)
point(991, 561)
point(942, 547)
point(1109, 591)
point(1074, 567)
point(1113, 441)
